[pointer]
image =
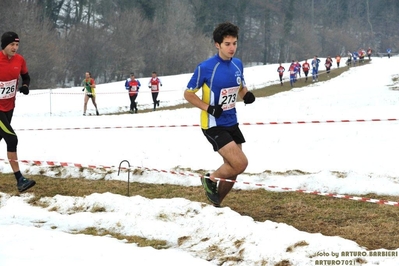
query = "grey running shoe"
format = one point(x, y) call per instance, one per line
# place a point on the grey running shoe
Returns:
point(25, 184)
point(210, 190)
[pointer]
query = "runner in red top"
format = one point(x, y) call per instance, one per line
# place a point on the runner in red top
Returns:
point(293, 72)
point(305, 68)
point(338, 60)
point(12, 65)
point(132, 85)
point(328, 64)
point(154, 84)
point(280, 71)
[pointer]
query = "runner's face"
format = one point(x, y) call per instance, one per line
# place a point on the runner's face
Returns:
point(227, 48)
point(11, 49)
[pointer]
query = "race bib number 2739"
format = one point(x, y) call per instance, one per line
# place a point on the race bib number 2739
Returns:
point(8, 89)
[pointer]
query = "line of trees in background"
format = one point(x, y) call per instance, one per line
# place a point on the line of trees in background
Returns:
point(62, 39)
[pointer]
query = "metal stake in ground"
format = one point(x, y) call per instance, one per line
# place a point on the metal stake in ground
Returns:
point(128, 175)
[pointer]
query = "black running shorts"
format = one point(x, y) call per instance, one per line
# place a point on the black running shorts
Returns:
point(220, 136)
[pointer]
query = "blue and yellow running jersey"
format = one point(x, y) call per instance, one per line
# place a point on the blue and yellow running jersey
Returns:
point(220, 81)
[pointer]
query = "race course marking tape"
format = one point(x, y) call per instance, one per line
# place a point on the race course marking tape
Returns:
point(197, 125)
point(326, 194)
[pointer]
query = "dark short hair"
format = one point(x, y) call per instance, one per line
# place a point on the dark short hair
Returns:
point(131, 74)
point(225, 29)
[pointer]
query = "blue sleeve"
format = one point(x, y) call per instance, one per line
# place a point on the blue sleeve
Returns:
point(195, 81)
point(127, 84)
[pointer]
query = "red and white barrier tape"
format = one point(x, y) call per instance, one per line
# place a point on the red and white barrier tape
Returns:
point(324, 121)
point(197, 125)
point(104, 127)
point(33, 93)
point(326, 194)
point(378, 201)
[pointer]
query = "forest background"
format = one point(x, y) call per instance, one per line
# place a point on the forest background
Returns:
point(62, 39)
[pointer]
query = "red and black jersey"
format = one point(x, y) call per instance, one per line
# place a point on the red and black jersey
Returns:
point(154, 84)
point(10, 70)
point(328, 63)
point(134, 86)
point(305, 66)
point(280, 70)
point(293, 70)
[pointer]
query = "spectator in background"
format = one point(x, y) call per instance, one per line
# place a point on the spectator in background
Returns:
point(389, 50)
point(369, 52)
point(154, 84)
point(132, 85)
point(305, 68)
point(90, 92)
point(281, 71)
point(315, 68)
point(12, 67)
point(338, 60)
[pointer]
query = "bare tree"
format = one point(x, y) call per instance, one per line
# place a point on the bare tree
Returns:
point(39, 42)
point(124, 47)
point(62, 39)
point(176, 44)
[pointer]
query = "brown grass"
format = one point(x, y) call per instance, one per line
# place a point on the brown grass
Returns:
point(370, 225)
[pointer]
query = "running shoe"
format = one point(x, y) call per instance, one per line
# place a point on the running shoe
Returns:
point(210, 190)
point(25, 184)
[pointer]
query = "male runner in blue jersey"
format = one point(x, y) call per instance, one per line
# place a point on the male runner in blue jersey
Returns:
point(222, 81)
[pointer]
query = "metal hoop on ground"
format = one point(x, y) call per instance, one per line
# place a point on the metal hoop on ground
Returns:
point(128, 175)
